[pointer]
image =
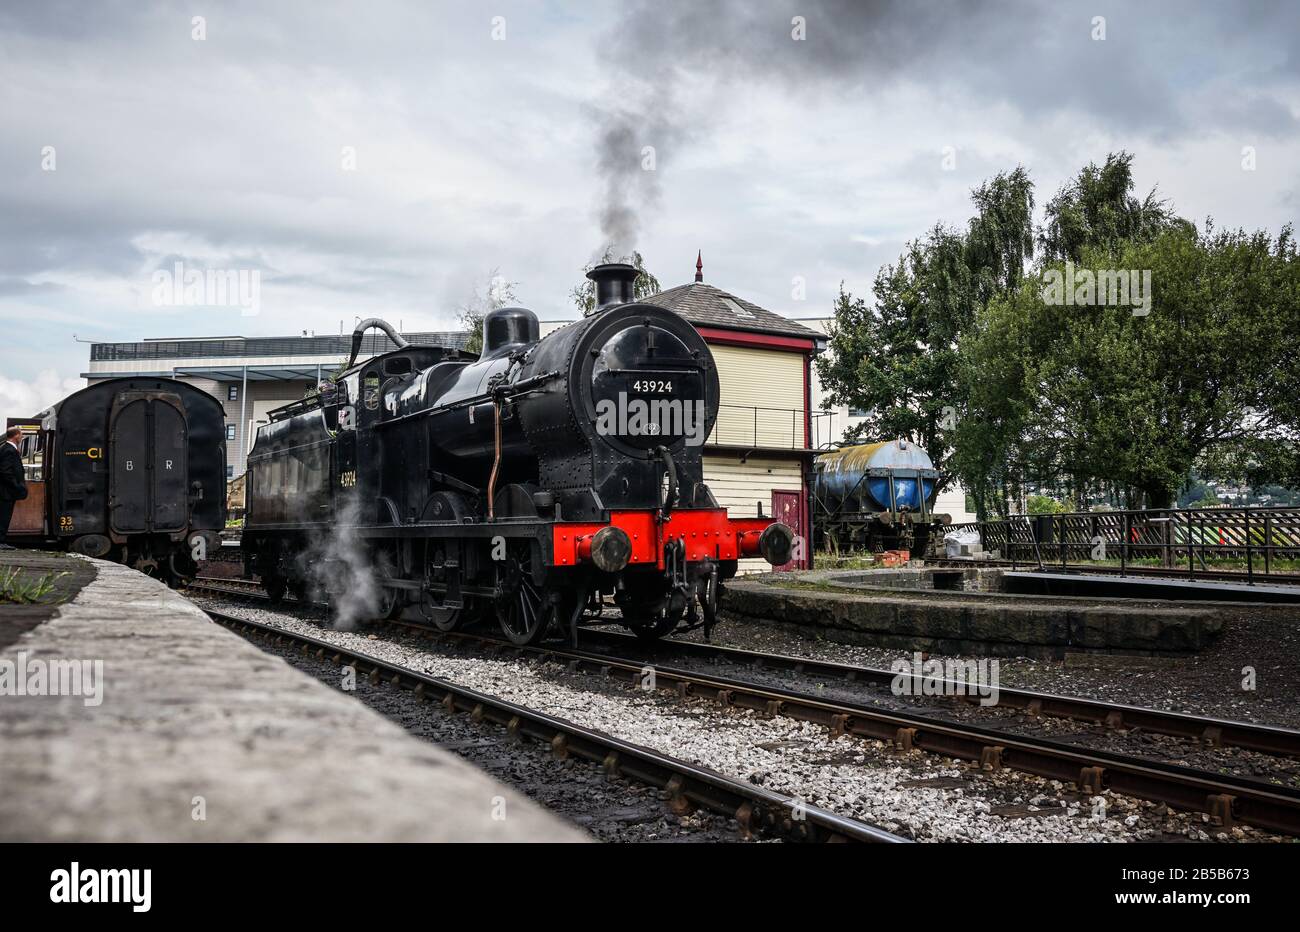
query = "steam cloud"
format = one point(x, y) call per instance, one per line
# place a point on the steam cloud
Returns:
point(338, 567)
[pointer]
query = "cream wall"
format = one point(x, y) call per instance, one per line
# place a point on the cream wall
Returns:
point(739, 486)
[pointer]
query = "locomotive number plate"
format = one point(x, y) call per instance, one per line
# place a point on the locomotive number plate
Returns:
point(653, 386)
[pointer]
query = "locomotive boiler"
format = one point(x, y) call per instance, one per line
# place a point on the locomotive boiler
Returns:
point(542, 482)
point(874, 497)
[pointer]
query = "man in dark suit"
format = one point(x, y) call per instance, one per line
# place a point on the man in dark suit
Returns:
point(13, 484)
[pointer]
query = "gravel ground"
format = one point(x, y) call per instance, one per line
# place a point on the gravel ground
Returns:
point(612, 810)
point(919, 796)
point(1209, 683)
point(1281, 770)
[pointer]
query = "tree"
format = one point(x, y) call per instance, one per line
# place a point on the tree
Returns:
point(1098, 209)
point(1106, 396)
point(584, 293)
point(897, 360)
point(496, 292)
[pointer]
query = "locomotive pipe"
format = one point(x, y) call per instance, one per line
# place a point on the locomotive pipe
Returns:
point(496, 458)
point(376, 324)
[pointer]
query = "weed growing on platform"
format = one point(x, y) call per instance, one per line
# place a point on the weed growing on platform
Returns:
point(14, 587)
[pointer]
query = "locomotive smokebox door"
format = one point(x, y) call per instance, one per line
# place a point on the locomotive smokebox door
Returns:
point(148, 438)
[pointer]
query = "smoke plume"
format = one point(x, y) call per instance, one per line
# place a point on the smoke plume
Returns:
point(669, 63)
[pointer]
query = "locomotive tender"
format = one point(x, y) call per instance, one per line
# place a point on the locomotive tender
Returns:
point(130, 469)
point(532, 482)
point(876, 496)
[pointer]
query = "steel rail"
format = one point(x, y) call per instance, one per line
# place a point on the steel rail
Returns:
point(1264, 739)
point(753, 807)
point(1223, 797)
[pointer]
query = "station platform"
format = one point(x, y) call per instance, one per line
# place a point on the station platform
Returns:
point(170, 728)
point(980, 611)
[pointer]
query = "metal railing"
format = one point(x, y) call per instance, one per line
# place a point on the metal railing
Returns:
point(756, 427)
point(1193, 540)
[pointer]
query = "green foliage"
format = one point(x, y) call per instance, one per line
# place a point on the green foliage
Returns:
point(1087, 400)
point(897, 360)
point(1045, 505)
point(20, 588)
point(584, 293)
point(1104, 396)
point(1098, 208)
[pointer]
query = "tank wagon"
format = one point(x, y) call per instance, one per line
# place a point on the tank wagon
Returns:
point(874, 497)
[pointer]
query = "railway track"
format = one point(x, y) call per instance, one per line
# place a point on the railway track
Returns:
point(754, 808)
point(1224, 798)
point(1264, 739)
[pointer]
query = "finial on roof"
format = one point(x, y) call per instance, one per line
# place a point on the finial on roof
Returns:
point(699, 266)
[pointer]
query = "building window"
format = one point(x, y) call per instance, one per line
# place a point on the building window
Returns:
point(232, 393)
point(230, 431)
point(230, 472)
point(857, 412)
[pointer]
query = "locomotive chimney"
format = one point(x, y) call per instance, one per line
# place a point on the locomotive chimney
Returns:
point(613, 284)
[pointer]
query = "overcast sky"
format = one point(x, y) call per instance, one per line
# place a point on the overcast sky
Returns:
point(381, 158)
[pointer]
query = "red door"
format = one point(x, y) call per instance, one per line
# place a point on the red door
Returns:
point(787, 507)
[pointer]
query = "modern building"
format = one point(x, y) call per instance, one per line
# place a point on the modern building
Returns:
point(248, 375)
point(758, 457)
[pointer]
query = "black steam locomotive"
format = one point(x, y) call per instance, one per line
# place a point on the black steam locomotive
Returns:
point(534, 482)
point(130, 469)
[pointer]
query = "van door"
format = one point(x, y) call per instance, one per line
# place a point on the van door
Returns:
point(148, 437)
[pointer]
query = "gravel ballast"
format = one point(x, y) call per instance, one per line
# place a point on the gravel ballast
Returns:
point(610, 809)
point(1209, 683)
point(919, 796)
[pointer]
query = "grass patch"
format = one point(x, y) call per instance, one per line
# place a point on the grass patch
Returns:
point(22, 588)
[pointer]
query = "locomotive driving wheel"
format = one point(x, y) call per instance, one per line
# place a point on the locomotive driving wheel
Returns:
point(526, 609)
point(445, 618)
